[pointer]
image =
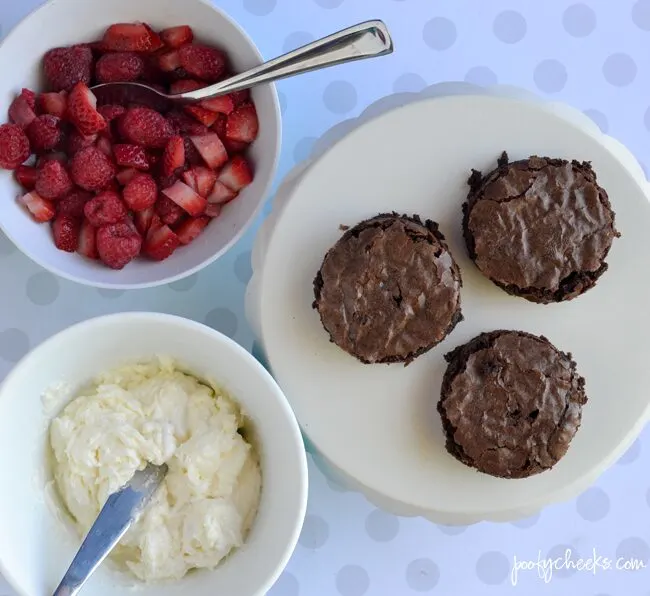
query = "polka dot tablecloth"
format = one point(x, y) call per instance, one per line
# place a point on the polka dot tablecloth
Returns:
point(594, 55)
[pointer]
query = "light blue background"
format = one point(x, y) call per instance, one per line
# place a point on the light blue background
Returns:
point(593, 55)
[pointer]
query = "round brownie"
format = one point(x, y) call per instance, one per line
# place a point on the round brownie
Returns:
point(539, 228)
point(510, 403)
point(389, 289)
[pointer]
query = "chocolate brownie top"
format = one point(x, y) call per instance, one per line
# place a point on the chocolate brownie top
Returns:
point(510, 403)
point(389, 289)
point(535, 223)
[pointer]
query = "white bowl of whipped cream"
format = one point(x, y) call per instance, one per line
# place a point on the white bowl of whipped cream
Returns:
point(91, 405)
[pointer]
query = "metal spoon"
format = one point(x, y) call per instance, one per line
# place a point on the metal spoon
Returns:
point(122, 508)
point(365, 40)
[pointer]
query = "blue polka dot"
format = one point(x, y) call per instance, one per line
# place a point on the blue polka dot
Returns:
point(550, 76)
point(352, 580)
point(599, 118)
point(296, 40)
point(303, 149)
point(579, 20)
point(422, 575)
point(641, 14)
point(452, 530)
point(633, 548)
point(329, 3)
point(619, 69)
point(527, 522)
point(593, 504)
point(563, 552)
point(7, 247)
point(409, 83)
point(287, 585)
point(481, 75)
point(492, 568)
point(439, 33)
point(509, 26)
point(632, 454)
point(243, 268)
point(340, 97)
point(260, 8)
point(223, 320)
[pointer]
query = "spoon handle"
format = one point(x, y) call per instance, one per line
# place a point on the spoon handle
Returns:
point(365, 40)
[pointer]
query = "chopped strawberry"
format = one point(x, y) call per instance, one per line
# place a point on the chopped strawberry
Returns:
point(82, 110)
point(186, 198)
point(142, 220)
point(205, 179)
point(145, 127)
point(240, 97)
point(219, 126)
point(243, 125)
point(192, 156)
point(131, 156)
point(173, 156)
point(76, 141)
point(87, 246)
point(190, 229)
point(26, 176)
point(130, 37)
point(168, 211)
point(221, 194)
point(65, 67)
point(184, 86)
point(55, 104)
point(53, 180)
point(203, 62)
point(14, 146)
point(91, 169)
point(21, 112)
point(140, 192)
point(105, 208)
point(213, 210)
point(202, 115)
point(125, 175)
point(161, 241)
point(105, 146)
point(111, 111)
point(65, 230)
point(211, 149)
point(175, 37)
point(119, 66)
point(118, 244)
point(29, 96)
point(41, 209)
point(222, 104)
point(189, 177)
point(236, 174)
point(182, 124)
point(169, 61)
point(73, 204)
point(44, 133)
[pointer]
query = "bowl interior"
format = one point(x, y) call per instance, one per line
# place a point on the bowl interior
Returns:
point(80, 21)
point(36, 546)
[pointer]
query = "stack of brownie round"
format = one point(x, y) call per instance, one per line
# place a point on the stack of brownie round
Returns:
point(390, 290)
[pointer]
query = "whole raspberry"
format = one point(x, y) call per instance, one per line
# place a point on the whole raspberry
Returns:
point(44, 133)
point(91, 169)
point(145, 127)
point(64, 67)
point(53, 180)
point(14, 146)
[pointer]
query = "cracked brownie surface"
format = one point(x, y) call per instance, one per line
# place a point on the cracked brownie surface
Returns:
point(539, 228)
point(510, 403)
point(389, 289)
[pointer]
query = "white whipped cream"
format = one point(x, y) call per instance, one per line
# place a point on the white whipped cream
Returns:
point(155, 413)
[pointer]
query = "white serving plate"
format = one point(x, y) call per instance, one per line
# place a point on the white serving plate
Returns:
point(375, 428)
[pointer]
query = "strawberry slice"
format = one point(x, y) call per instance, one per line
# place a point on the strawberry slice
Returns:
point(205, 180)
point(219, 126)
point(142, 220)
point(26, 176)
point(236, 174)
point(183, 124)
point(186, 198)
point(211, 149)
point(161, 241)
point(174, 156)
point(175, 37)
point(82, 110)
point(65, 230)
point(130, 156)
point(213, 210)
point(221, 194)
point(241, 97)
point(73, 203)
point(130, 37)
point(185, 85)
point(202, 115)
point(168, 211)
point(41, 209)
point(87, 241)
point(190, 229)
point(111, 111)
point(21, 112)
point(189, 177)
point(126, 175)
point(55, 104)
point(222, 104)
point(243, 125)
point(169, 61)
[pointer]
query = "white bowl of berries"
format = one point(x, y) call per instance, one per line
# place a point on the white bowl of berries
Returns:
point(121, 196)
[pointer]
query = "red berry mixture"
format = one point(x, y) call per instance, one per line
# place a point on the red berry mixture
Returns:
point(117, 182)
